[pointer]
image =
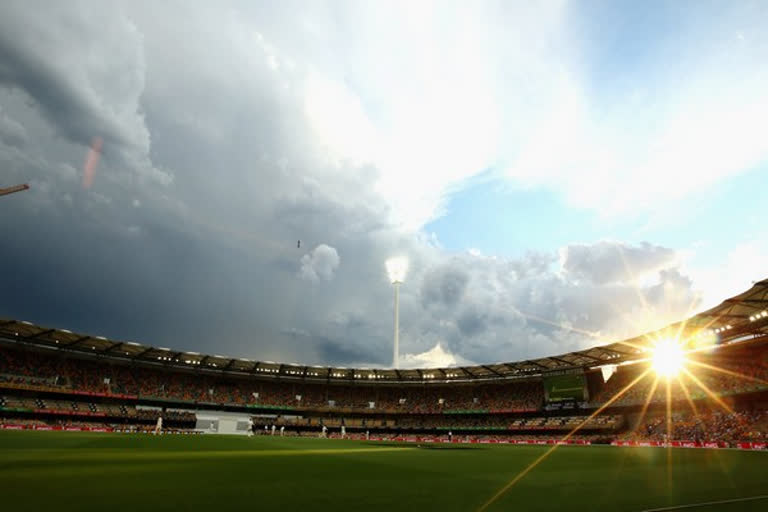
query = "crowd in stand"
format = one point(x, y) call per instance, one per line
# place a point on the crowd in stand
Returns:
point(50, 371)
point(167, 415)
point(38, 423)
point(24, 367)
point(706, 426)
point(76, 407)
point(564, 423)
point(443, 436)
point(743, 372)
point(459, 437)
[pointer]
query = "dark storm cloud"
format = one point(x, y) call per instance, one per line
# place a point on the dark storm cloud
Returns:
point(444, 285)
point(83, 70)
point(342, 353)
point(12, 133)
point(472, 322)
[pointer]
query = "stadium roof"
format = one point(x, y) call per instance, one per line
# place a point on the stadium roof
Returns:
point(739, 318)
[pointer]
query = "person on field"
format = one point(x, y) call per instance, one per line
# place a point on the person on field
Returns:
point(273, 429)
point(282, 430)
point(159, 425)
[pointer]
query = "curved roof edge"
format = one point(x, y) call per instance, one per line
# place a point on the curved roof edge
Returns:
point(741, 317)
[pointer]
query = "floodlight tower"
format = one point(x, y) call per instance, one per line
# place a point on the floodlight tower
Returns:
point(396, 268)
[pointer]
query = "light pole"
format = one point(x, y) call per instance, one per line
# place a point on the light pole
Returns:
point(396, 268)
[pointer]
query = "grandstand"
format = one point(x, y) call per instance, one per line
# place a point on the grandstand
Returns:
point(52, 378)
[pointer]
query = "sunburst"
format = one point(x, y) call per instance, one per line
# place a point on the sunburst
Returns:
point(669, 360)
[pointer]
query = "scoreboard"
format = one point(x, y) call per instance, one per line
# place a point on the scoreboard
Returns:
point(560, 388)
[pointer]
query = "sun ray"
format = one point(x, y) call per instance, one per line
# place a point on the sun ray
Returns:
point(711, 322)
point(633, 345)
point(683, 324)
point(691, 308)
point(632, 279)
point(723, 468)
point(542, 320)
point(630, 319)
point(708, 391)
point(728, 372)
point(668, 440)
point(645, 307)
point(703, 327)
point(648, 401)
point(570, 434)
point(668, 392)
point(688, 397)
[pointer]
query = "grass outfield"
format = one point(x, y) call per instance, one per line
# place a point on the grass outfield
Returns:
point(110, 472)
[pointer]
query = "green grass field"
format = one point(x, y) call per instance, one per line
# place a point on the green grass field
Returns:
point(111, 472)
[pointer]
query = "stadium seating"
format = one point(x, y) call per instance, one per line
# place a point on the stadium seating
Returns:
point(59, 390)
point(722, 426)
point(32, 369)
point(738, 372)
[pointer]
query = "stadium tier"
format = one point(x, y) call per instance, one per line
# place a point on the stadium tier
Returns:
point(53, 378)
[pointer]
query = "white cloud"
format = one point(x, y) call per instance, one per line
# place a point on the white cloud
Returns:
point(424, 107)
point(743, 265)
point(436, 357)
point(686, 128)
point(614, 262)
point(455, 94)
point(494, 309)
point(320, 263)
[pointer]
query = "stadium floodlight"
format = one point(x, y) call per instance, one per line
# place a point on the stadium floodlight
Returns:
point(396, 269)
point(668, 358)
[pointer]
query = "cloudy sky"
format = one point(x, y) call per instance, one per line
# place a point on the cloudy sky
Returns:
point(559, 174)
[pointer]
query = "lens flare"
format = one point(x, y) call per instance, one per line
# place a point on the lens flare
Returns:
point(91, 161)
point(668, 358)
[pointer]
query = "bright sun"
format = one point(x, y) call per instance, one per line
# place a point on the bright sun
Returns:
point(668, 358)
